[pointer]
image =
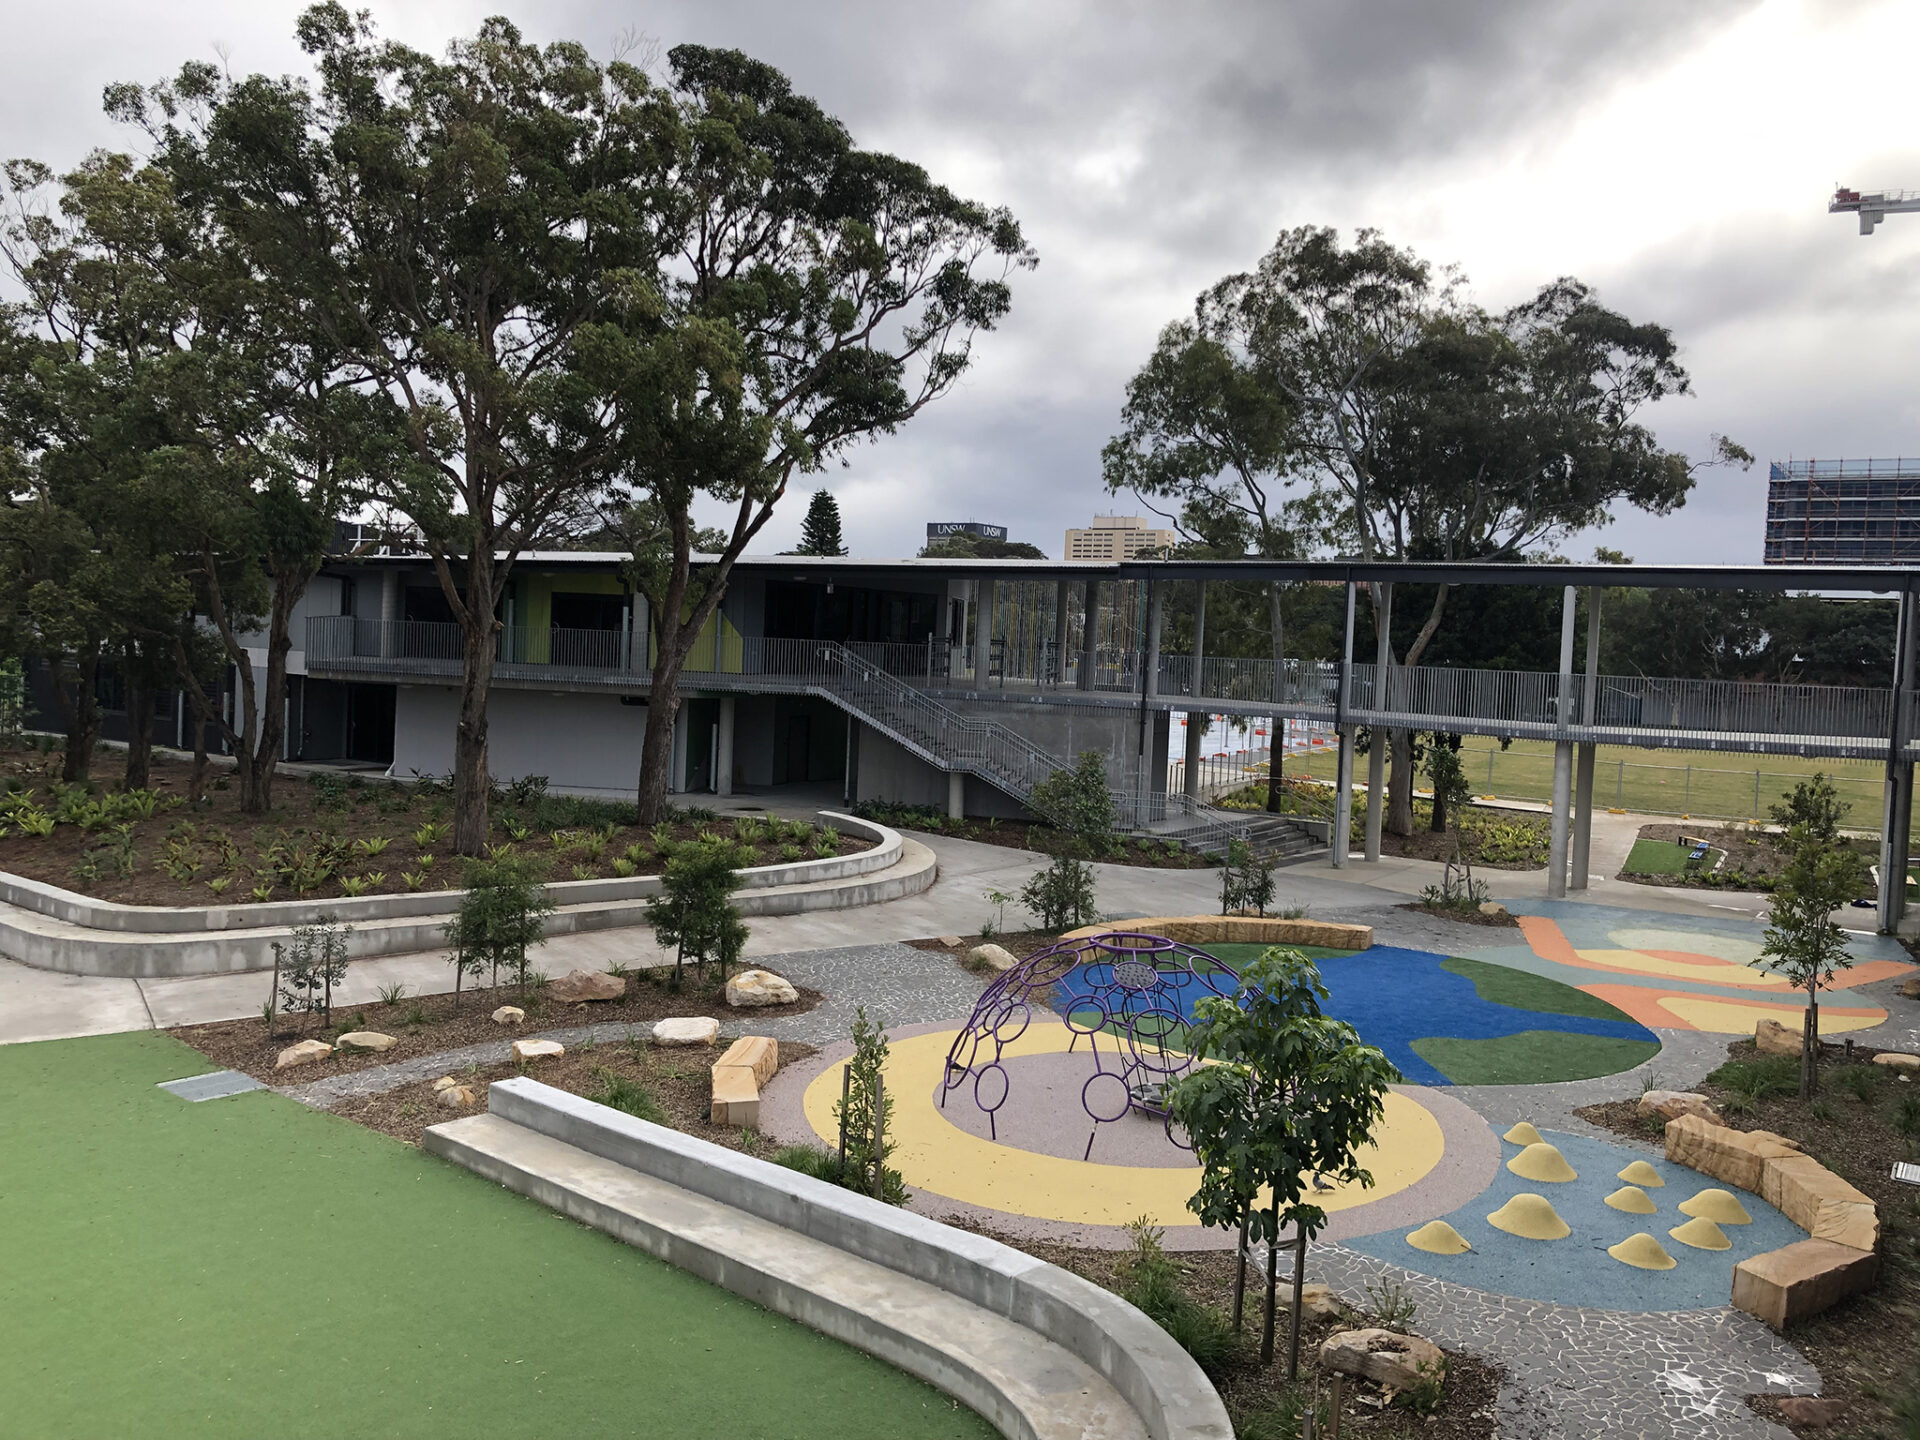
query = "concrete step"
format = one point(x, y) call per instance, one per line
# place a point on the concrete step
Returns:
point(1025, 1385)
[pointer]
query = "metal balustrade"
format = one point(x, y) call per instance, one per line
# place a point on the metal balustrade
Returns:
point(1649, 712)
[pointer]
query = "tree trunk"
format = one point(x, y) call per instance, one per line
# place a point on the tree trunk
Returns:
point(1273, 1285)
point(1810, 1045)
point(656, 745)
point(1400, 785)
point(80, 710)
point(1277, 732)
point(470, 778)
point(1240, 1278)
point(139, 731)
point(1439, 825)
point(1299, 1285)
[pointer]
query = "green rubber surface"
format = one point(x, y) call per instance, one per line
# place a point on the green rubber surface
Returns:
point(249, 1267)
point(1532, 1057)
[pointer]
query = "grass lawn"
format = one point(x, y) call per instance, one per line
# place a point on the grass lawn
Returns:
point(1523, 990)
point(249, 1267)
point(1719, 784)
point(1656, 857)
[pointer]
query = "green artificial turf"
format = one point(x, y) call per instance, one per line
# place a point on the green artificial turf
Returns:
point(249, 1267)
point(1657, 857)
point(1239, 955)
point(1532, 1057)
point(1522, 990)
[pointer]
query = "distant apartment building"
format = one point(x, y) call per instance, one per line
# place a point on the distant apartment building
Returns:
point(1861, 512)
point(1118, 537)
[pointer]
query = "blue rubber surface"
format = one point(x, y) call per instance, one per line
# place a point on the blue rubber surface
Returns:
point(1578, 1270)
point(1394, 996)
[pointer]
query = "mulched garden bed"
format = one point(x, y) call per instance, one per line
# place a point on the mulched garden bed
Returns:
point(1504, 920)
point(1754, 859)
point(679, 1080)
point(330, 828)
point(1511, 842)
point(1252, 1392)
point(1864, 1347)
point(427, 1024)
point(1033, 835)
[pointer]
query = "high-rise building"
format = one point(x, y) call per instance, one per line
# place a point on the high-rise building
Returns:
point(1847, 511)
point(1119, 537)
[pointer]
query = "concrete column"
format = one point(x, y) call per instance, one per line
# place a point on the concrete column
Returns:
point(1377, 752)
point(1199, 637)
point(956, 795)
point(389, 611)
point(1149, 691)
point(1583, 779)
point(1897, 809)
point(723, 756)
point(1197, 723)
point(640, 647)
point(1562, 757)
point(1343, 777)
point(1089, 634)
point(983, 631)
point(1059, 632)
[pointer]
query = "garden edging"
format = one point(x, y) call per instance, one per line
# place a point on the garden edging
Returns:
point(515, 1145)
point(902, 868)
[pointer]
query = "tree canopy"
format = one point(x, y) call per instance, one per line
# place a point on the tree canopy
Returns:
point(820, 530)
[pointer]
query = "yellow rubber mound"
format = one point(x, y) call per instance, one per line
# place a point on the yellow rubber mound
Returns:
point(1702, 1234)
point(1642, 1174)
point(1633, 1200)
point(1531, 1217)
point(1522, 1134)
point(1436, 1237)
point(1719, 1206)
point(1643, 1252)
point(1540, 1161)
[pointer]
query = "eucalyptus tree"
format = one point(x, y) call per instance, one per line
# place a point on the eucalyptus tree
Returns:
point(814, 295)
point(477, 240)
point(1357, 395)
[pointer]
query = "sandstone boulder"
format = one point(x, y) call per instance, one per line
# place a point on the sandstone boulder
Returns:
point(457, 1097)
point(1672, 1104)
point(577, 987)
point(1492, 909)
point(952, 942)
point(687, 1030)
point(1816, 1412)
point(751, 989)
point(303, 1052)
point(509, 1015)
point(992, 957)
point(1799, 1280)
point(1320, 1303)
point(1735, 1157)
point(525, 1050)
point(1910, 987)
point(1770, 1037)
point(1895, 1060)
point(445, 1082)
point(758, 1053)
point(367, 1040)
point(1394, 1362)
point(1819, 1201)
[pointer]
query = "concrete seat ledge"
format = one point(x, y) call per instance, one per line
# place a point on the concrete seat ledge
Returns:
point(85, 911)
point(1036, 1350)
point(49, 943)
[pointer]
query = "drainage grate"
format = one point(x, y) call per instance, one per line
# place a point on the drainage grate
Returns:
point(216, 1086)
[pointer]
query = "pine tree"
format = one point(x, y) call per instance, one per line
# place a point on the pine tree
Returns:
point(820, 531)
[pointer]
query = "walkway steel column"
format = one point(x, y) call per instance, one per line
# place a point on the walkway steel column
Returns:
point(1562, 754)
point(723, 748)
point(1149, 692)
point(1583, 780)
point(1377, 749)
point(1059, 632)
point(982, 631)
point(1089, 634)
point(1196, 724)
point(1897, 809)
point(956, 795)
point(1343, 777)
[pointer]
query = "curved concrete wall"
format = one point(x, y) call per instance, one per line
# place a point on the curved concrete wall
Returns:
point(1155, 1376)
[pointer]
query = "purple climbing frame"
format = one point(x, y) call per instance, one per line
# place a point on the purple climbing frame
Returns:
point(1135, 990)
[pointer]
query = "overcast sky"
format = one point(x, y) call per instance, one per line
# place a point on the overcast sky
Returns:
point(1677, 156)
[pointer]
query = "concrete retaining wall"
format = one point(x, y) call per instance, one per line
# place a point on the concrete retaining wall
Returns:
point(1155, 1376)
point(51, 943)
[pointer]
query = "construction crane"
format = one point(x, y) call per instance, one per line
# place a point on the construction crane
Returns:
point(1872, 209)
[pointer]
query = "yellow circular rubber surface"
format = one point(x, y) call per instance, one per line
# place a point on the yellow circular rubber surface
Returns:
point(936, 1155)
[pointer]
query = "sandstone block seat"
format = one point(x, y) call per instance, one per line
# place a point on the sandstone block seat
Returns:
point(738, 1074)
